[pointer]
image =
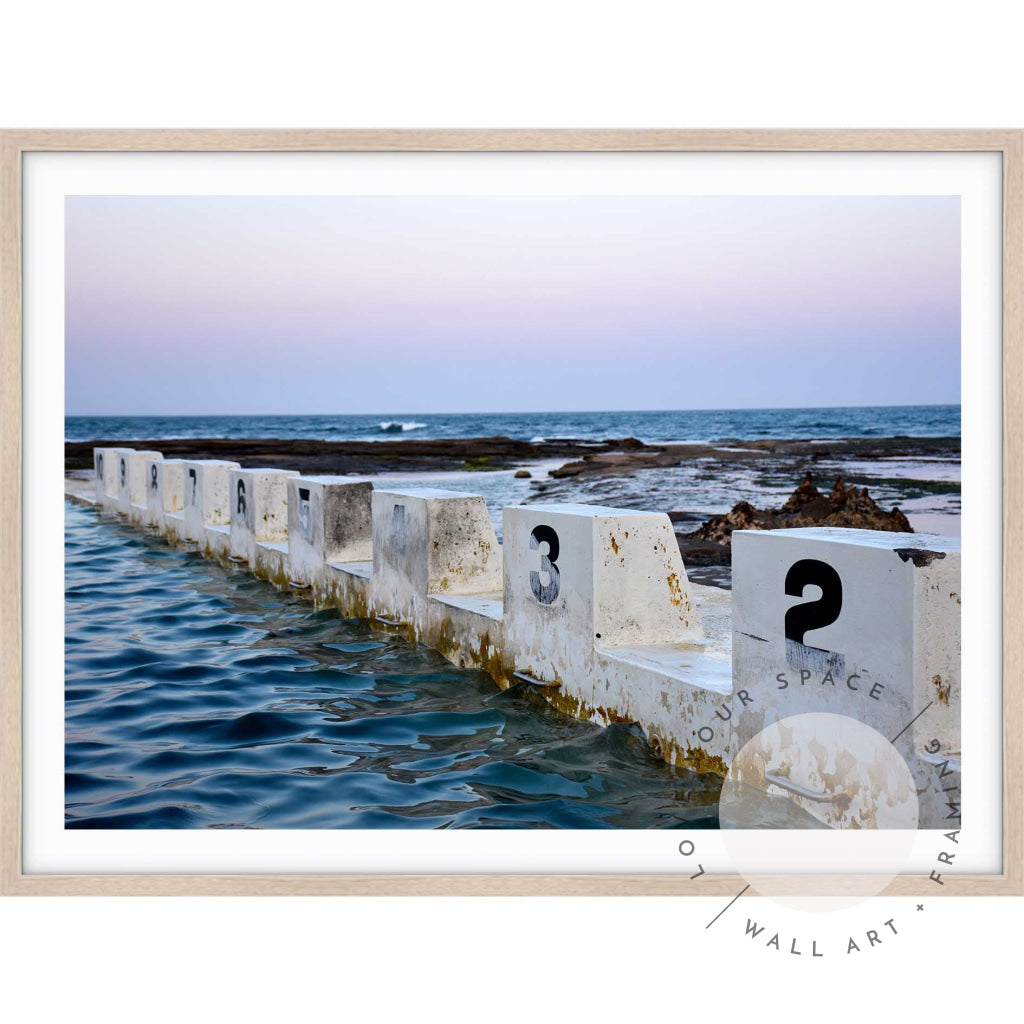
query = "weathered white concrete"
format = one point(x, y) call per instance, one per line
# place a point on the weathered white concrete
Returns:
point(597, 603)
point(582, 576)
point(114, 462)
point(174, 527)
point(80, 491)
point(852, 622)
point(835, 768)
point(132, 484)
point(259, 509)
point(104, 461)
point(938, 788)
point(937, 653)
point(329, 525)
point(430, 541)
point(165, 493)
point(207, 500)
point(857, 623)
point(671, 690)
point(430, 548)
point(216, 541)
point(270, 561)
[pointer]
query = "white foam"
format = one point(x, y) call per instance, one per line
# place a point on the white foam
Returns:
point(398, 427)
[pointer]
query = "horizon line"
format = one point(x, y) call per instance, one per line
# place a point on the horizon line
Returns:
point(511, 412)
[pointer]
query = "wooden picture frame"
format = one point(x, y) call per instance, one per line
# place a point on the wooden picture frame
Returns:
point(14, 145)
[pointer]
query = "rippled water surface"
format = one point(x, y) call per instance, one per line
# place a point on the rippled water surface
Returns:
point(200, 697)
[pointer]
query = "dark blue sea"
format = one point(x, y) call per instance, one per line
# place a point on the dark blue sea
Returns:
point(693, 425)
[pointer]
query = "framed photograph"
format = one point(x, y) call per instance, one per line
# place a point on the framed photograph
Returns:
point(512, 512)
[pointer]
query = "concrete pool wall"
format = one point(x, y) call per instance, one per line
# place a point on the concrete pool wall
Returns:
point(592, 605)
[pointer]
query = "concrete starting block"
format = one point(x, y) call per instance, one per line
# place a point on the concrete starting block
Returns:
point(115, 462)
point(859, 623)
point(330, 541)
point(104, 461)
point(597, 603)
point(207, 515)
point(259, 513)
point(132, 500)
point(856, 622)
point(165, 496)
point(437, 571)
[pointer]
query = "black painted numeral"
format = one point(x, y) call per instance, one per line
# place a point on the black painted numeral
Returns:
point(545, 592)
point(305, 519)
point(152, 477)
point(802, 618)
point(240, 506)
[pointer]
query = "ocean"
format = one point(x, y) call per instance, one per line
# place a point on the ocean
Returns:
point(685, 425)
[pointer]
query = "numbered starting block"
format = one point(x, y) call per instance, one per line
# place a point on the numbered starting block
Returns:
point(259, 514)
point(105, 465)
point(131, 483)
point(165, 495)
point(437, 571)
point(859, 623)
point(598, 604)
point(114, 462)
point(330, 541)
point(207, 515)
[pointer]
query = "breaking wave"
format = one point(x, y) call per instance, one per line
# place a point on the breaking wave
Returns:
point(396, 427)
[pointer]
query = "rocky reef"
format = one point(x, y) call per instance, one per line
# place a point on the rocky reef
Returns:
point(847, 506)
point(390, 455)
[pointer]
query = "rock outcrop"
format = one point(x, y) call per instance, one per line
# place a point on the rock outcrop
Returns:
point(846, 506)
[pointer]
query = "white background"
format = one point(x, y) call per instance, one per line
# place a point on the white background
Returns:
point(567, 64)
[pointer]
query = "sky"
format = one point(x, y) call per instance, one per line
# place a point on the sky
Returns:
point(421, 304)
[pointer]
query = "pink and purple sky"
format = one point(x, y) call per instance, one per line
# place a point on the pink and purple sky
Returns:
point(419, 304)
